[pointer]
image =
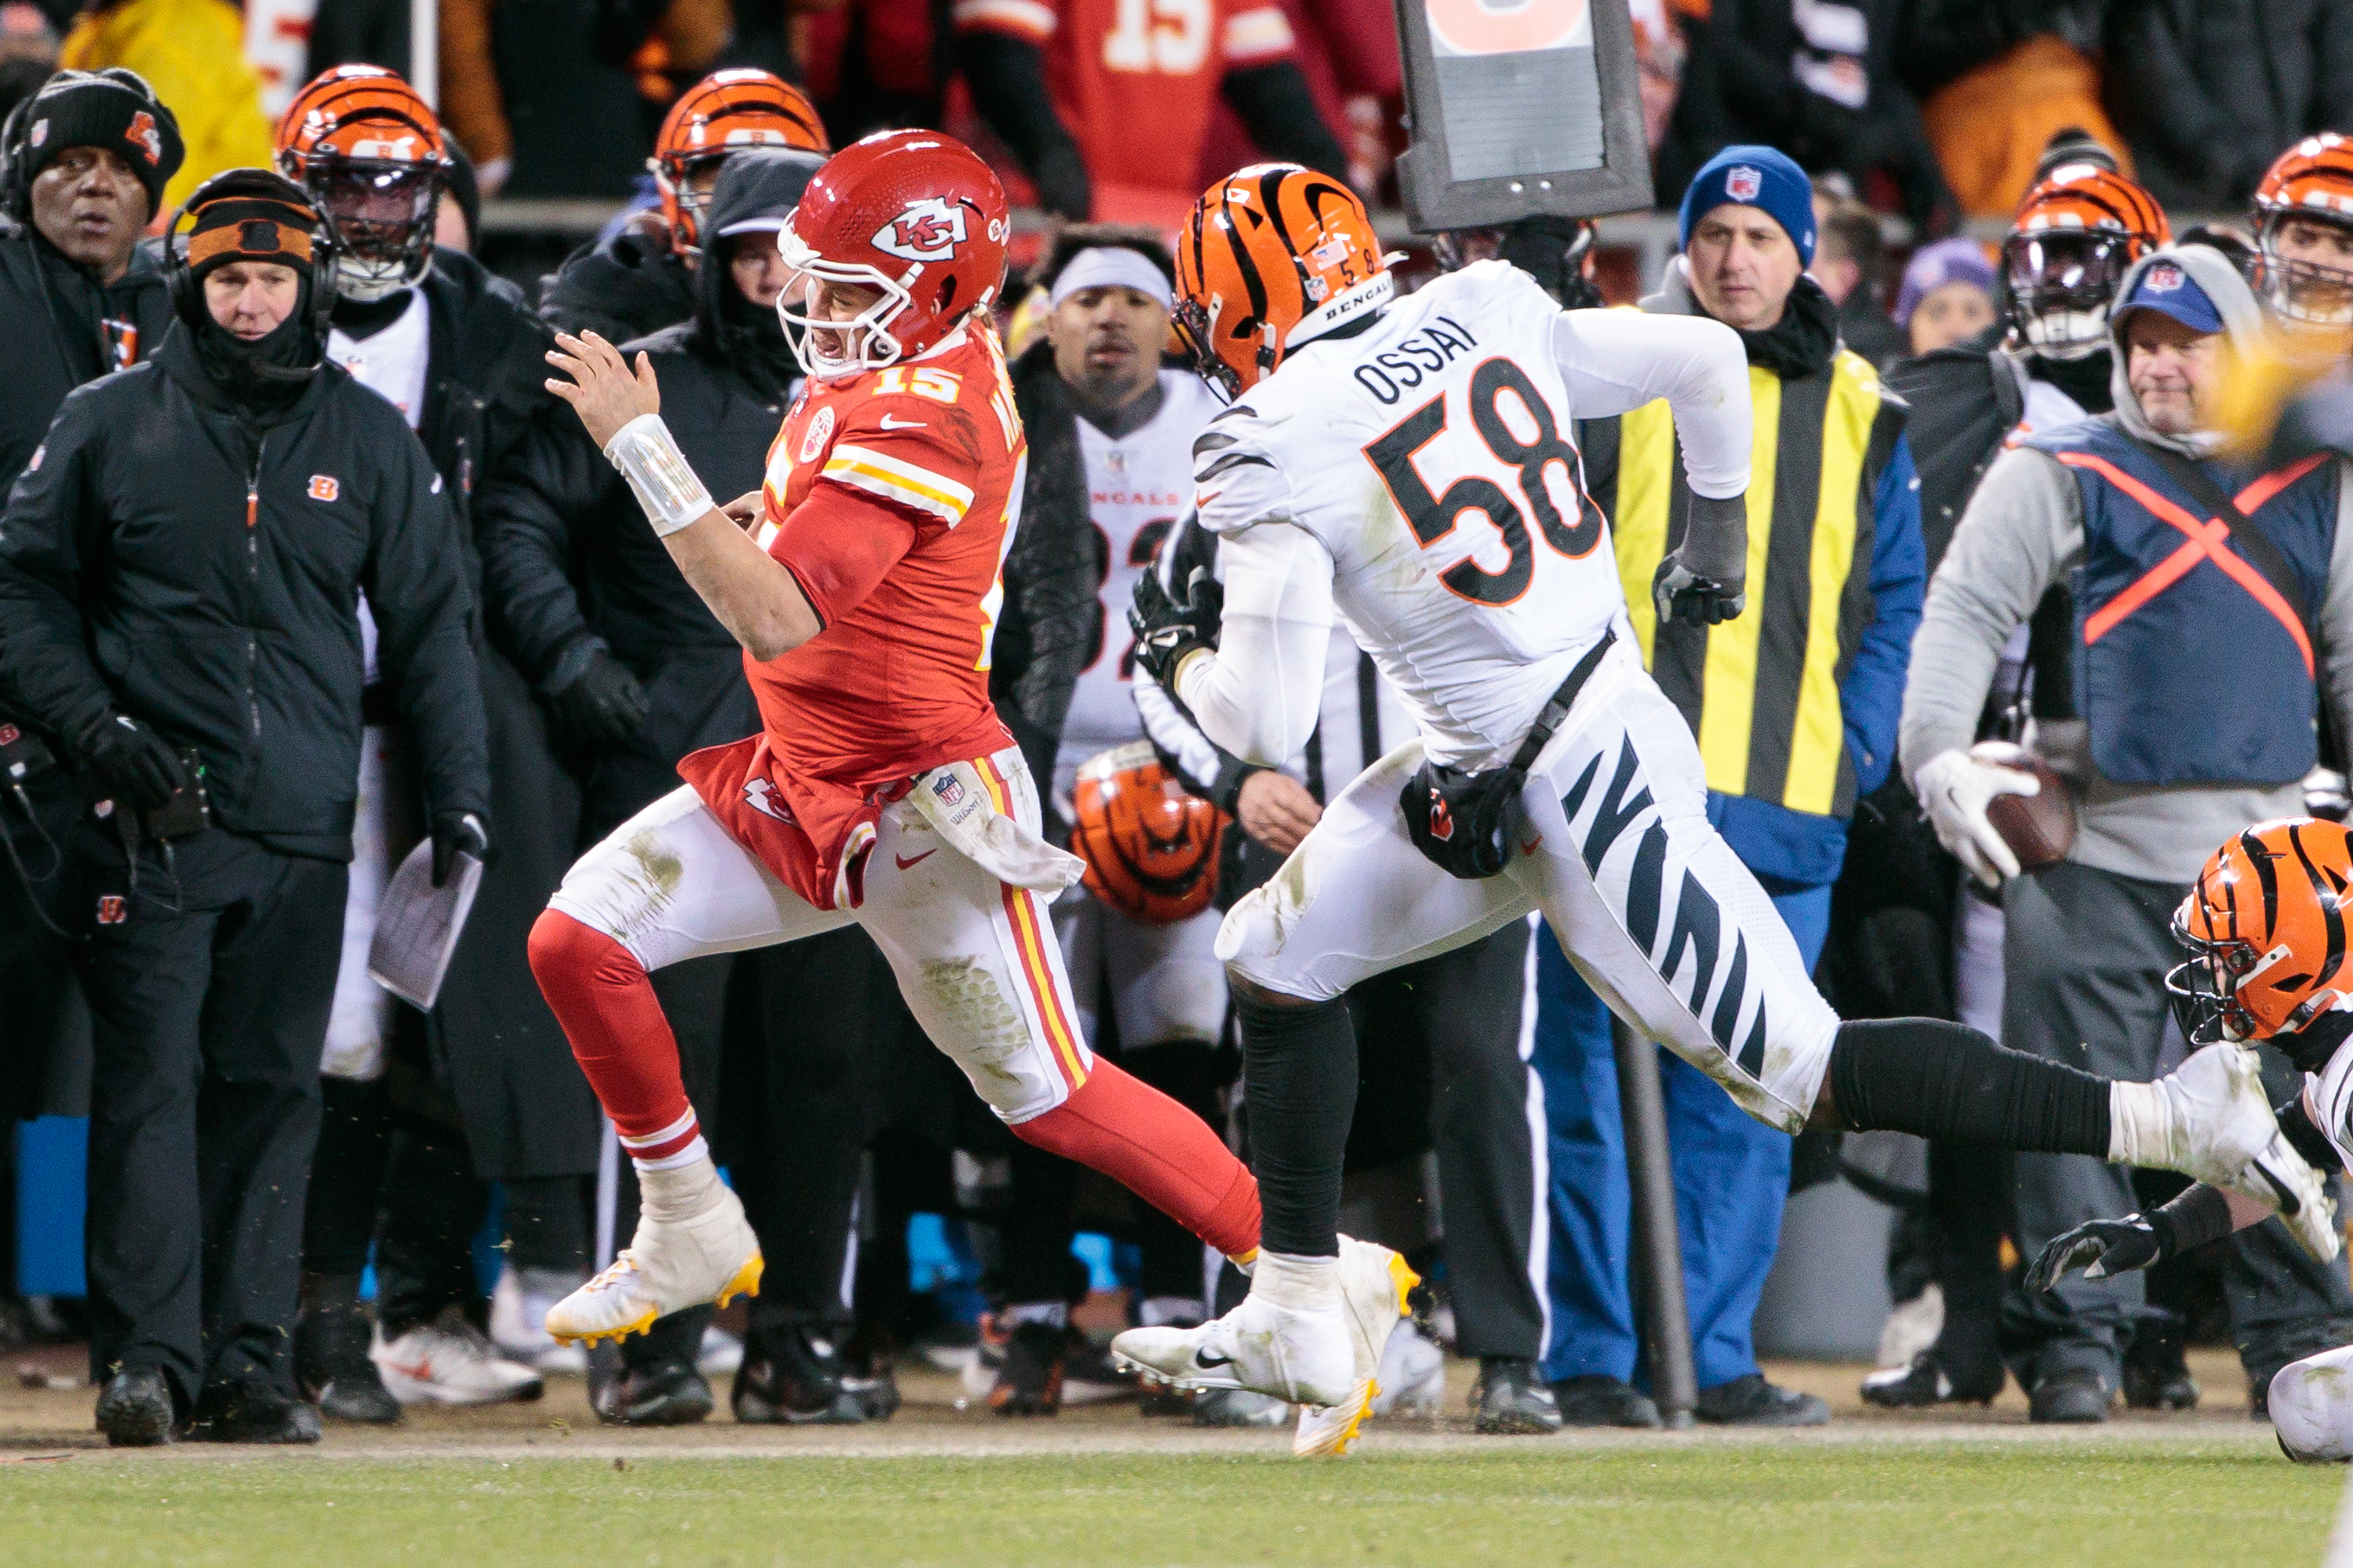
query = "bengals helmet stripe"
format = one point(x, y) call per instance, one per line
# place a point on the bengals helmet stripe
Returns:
point(1273, 257)
point(371, 152)
point(2265, 927)
point(724, 112)
point(1150, 848)
point(2312, 183)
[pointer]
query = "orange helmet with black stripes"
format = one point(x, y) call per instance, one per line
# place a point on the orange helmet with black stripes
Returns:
point(724, 112)
point(1150, 848)
point(2074, 236)
point(2265, 927)
point(2304, 231)
point(369, 150)
point(1273, 256)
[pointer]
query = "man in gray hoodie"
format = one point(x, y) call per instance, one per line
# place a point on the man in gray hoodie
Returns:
point(2213, 606)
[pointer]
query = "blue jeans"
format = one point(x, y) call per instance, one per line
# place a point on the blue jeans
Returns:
point(1732, 1177)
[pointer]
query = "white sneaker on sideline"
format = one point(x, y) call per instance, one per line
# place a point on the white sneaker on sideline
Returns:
point(668, 1266)
point(432, 1364)
point(720, 1354)
point(1412, 1380)
point(519, 1323)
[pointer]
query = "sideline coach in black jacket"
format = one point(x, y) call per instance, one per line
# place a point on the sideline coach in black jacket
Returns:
point(179, 568)
point(78, 298)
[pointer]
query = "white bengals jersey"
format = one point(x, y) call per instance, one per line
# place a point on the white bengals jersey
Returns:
point(1433, 457)
point(1136, 486)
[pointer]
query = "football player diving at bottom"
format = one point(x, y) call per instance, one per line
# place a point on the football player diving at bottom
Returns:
point(1406, 464)
point(2265, 929)
point(862, 581)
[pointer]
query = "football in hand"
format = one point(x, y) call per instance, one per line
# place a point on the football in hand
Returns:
point(2040, 828)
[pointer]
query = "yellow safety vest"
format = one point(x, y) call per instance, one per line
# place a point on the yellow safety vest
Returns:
point(1761, 692)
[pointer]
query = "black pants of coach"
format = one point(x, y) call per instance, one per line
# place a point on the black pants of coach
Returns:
point(210, 978)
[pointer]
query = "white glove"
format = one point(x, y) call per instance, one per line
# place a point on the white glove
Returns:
point(1955, 787)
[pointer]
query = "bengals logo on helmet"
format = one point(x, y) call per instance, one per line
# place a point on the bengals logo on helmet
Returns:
point(144, 130)
point(929, 230)
point(1150, 848)
point(2266, 929)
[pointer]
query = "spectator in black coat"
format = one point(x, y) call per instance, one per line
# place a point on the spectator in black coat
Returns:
point(2210, 90)
point(180, 575)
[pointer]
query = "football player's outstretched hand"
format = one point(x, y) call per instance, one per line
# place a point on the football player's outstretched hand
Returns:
point(1166, 630)
point(1705, 579)
point(604, 390)
point(2101, 1248)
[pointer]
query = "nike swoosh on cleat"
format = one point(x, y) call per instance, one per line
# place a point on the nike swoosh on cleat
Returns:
point(907, 860)
point(1207, 1362)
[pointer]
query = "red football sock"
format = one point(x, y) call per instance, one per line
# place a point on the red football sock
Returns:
point(600, 995)
point(1157, 1150)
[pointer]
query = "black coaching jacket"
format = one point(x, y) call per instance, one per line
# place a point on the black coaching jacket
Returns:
point(196, 564)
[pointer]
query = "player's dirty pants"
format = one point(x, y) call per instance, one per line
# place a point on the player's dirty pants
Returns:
point(1654, 910)
point(2085, 952)
point(975, 960)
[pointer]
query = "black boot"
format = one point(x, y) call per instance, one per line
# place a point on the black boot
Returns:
point(2074, 1397)
point(666, 1392)
point(1752, 1402)
point(332, 1364)
point(793, 1374)
point(134, 1410)
point(253, 1412)
point(1512, 1397)
point(1595, 1400)
point(2157, 1372)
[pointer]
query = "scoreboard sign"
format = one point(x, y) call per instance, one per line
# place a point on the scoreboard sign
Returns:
point(1520, 107)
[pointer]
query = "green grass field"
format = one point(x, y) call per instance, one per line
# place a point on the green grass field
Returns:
point(1720, 1506)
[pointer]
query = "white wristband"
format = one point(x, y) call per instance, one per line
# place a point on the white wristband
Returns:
point(657, 471)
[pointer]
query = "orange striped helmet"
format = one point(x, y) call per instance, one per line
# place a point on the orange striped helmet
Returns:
point(1274, 256)
point(2074, 236)
point(1151, 850)
point(2310, 186)
point(370, 151)
point(2265, 927)
point(725, 111)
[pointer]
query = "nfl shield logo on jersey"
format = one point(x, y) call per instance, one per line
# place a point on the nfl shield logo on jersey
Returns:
point(1742, 183)
point(949, 789)
point(928, 230)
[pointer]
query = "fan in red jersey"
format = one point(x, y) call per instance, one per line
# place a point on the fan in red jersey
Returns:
point(862, 581)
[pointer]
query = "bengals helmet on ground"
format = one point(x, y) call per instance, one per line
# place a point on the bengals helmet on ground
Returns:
point(1151, 850)
point(915, 214)
point(2265, 927)
point(1274, 256)
point(2074, 236)
point(724, 112)
point(2311, 184)
point(370, 151)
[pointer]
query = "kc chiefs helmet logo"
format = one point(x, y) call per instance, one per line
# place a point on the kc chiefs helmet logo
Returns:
point(928, 230)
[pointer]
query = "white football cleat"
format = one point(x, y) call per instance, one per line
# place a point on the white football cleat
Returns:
point(1301, 1355)
point(1374, 1283)
point(668, 1265)
point(430, 1364)
point(2209, 1120)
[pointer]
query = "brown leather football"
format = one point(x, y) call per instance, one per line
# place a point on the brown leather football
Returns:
point(2040, 828)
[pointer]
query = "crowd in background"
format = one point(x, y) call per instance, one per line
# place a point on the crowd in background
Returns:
point(592, 669)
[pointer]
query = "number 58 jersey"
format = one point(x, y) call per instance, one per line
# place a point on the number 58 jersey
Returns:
point(1433, 456)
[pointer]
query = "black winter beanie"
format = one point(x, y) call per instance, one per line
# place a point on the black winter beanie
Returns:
point(114, 109)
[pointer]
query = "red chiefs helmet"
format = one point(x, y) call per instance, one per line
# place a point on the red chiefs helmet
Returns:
point(724, 112)
point(914, 214)
point(1151, 850)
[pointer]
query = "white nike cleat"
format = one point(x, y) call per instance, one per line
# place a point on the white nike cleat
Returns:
point(668, 1265)
point(1301, 1355)
point(1374, 1283)
point(2209, 1119)
point(430, 1364)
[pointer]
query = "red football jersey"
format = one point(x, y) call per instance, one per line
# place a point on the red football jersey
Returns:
point(1136, 81)
point(898, 681)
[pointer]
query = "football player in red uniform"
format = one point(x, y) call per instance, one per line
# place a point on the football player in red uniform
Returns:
point(863, 580)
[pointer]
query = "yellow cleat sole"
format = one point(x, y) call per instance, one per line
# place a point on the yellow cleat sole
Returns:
point(746, 1281)
point(1402, 1274)
point(1335, 1444)
point(635, 1326)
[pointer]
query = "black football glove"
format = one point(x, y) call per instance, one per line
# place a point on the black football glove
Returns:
point(2102, 1248)
point(1705, 580)
point(603, 704)
point(1165, 631)
point(455, 833)
point(131, 763)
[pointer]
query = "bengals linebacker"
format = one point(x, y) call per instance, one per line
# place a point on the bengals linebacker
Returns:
point(863, 580)
point(2304, 233)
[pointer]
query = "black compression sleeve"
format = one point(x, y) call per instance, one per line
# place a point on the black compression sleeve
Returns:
point(2198, 1216)
point(1278, 108)
point(1299, 1080)
point(1007, 77)
point(1946, 1080)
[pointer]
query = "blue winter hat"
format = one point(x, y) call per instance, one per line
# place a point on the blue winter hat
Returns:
point(1753, 176)
point(2167, 287)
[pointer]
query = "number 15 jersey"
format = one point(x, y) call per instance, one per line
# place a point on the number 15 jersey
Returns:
point(1432, 457)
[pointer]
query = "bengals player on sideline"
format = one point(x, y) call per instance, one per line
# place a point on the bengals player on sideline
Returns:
point(1407, 465)
point(2263, 927)
point(2304, 233)
point(863, 583)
